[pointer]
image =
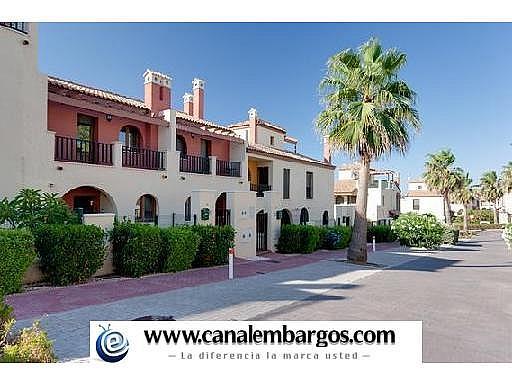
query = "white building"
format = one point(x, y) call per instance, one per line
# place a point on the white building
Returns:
point(420, 199)
point(383, 195)
point(111, 155)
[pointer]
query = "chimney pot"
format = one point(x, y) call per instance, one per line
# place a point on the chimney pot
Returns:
point(198, 98)
point(327, 150)
point(157, 91)
point(188, 104)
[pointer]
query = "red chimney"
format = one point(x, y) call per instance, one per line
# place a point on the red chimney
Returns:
point(188, 104)
point(157, 91)
point(198, 89)
point(253, 116)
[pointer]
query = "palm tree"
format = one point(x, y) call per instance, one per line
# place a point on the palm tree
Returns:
point(440, 175)
point(506, 177)
point(368, 112)
point(492, 190)
point(463, 193)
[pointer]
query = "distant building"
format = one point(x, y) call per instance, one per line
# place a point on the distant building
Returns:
point(383, 195)
point(420, 199)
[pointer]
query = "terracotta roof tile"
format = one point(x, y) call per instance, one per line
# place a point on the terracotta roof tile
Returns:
point(272, 151)
point(95, 92)
point(205, 124)
point(259, 121)
point(345, 187)
point(423, 193)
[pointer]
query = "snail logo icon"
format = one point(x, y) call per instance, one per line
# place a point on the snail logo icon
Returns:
point(111, 345)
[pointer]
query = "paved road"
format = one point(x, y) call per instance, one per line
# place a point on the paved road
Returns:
point(463, 295)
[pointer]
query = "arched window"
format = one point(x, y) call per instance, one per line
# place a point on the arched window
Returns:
point(304, 216)
point(325, 218)
point(188, 209)
point(181, 145)
point(146, 210)
point(130, 137)
point(286, 217)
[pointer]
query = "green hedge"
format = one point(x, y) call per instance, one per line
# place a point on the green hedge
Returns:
point(69, 253)
point(179, 247)
point(383, 233)
point(17, 253)
point(214, 245)
point(136, 249)
point(418, 230)
point(308, 238)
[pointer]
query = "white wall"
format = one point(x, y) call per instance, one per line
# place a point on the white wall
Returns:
point(263, 137)
point(428, 204)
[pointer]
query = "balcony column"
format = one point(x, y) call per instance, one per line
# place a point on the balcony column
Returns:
point(117, 154)
point(213, 165)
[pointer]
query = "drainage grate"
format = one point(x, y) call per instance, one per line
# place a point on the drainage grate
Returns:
point(271, 261)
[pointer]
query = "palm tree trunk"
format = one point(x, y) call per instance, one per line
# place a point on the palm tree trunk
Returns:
point(357, 251)
point(447, 215)
point(465, 211)
point(495, 211)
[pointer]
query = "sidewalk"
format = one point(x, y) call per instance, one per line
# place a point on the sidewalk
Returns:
point(295, 281)
point(48, 300)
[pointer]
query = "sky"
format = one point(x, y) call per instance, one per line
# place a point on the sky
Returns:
point(461, 73)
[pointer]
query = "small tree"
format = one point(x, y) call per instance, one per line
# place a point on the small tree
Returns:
point(492, 190)
point(31, 207)
point(464, 194)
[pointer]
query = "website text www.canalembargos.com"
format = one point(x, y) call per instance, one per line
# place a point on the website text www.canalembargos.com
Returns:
point(283, 335)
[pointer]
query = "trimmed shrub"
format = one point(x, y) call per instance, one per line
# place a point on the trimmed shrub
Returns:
point(296, 238)
point(17, 253)
point(507, 235)
point(136, 249)
point(69, 253)
point(450, 236)
point(383, 233)
point(214, 244)
point(338, 237)
point(179, 247)
point(322, 234)
point(416, 230)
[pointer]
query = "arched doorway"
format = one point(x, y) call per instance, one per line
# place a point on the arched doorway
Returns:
point(88, 199)
point(222, 215)
point(181, 145)
point(146, 210)
point(261, 231)
point(325, 218)
point(304, 216)
point(130, 137)
point(286, 217)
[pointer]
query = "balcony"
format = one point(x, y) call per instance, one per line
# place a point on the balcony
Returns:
point(195, 164)
point(228, 168)
point(143, 158)
point(82, 151)
point(17, 26)
point(260, 189)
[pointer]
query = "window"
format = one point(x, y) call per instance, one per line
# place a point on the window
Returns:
point(161, 95)
point(325, 218)
point(286, 183)
point(309, 185)
point(351, 199)
point(130, 137)
point(419, 187)
point(304, 216)
point(188, 209)
point(85, 127)
point(416, 204)
point(146, 209)
point(206, 148)
point(340, 200)
point(383, 200)
point(181, 145)
point(272, 140)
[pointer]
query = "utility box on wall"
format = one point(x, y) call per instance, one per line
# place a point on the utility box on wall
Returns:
point(205, 214)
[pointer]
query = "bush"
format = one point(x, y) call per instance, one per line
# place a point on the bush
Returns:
point(418, 230)
point(179, 247)
point(507, 235)
point(136, 249)
point(32, 345)
point(296, 238)
point(214, 244)
point(450, 236)
point(341, 233)
point(17, 253)
point(69, 253)
point(383, 234)
point(323, 232)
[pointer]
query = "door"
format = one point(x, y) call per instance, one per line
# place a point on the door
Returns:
point(261, 231)
point(84, 204)
point(262, 176)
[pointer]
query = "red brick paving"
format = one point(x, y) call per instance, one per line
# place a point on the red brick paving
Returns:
point(57, 299)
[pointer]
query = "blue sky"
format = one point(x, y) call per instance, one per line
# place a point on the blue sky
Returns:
point(461, 73)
